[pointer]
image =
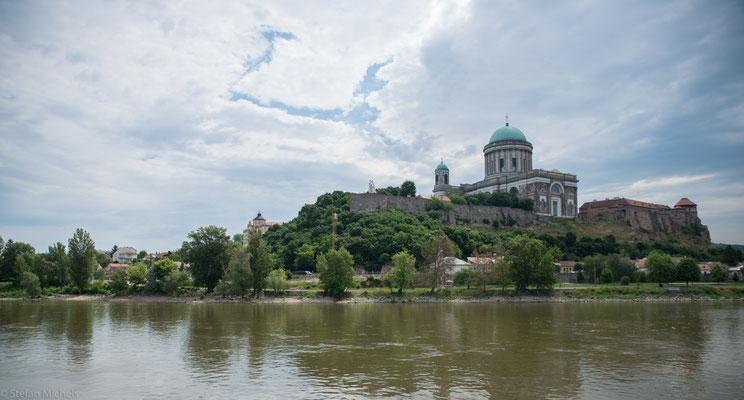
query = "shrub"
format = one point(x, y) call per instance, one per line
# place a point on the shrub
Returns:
point(223, 288)
point(30, 284)
point(174, 280)
point(495, 223)
point(119, 282)
point(625, 280)
point(277, 280)
point(606, 276)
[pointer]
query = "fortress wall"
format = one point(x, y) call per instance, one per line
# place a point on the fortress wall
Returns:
point(367, 202)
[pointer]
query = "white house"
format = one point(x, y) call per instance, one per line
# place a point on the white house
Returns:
point(125, 255)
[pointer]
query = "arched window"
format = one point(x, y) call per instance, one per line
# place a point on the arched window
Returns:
point(446, 179)
point(436, 179)
point(556, 188)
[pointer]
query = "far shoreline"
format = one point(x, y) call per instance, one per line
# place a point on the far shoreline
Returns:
point(494, 299)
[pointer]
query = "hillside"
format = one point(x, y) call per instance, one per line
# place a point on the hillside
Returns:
point(372, 237)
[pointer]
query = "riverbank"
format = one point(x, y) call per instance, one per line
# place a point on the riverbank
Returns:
point(445, 295)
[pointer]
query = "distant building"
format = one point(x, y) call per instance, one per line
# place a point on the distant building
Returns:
point(258, 224)
point(112, 268)
point(125, 255)
point(567, 267)
point(508, 169)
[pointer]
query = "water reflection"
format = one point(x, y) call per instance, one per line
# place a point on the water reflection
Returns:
point(375, 350)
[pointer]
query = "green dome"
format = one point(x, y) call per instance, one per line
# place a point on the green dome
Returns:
point(441, 166)
point(507, 133)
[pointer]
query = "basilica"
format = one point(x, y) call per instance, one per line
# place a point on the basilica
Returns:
point(508, 168)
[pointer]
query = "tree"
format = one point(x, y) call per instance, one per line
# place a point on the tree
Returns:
point(531, 263)
point(437, 254)
point(238, 238)
point(729, 256)
point(305, 259)
point(336, 272)
point(59, 271)
point(238, 273)
point(99, 274)
point(10, 267)
point(174, 280)
point(408, 188)
point(688, 271)
point(30, 284)
point(660, 267)
point(119, 282)
point(141, 255)
point(502, 269)
point(137, 274)
point(718, 274)
point(464, 277)
point(81, 251)
point(277, 281)
point(157, 273)
point(102, 259)
point(403, 270)
point(207, 252)
point(260, 259)
point(113, 250)
point(606, 276)
point(735, 277)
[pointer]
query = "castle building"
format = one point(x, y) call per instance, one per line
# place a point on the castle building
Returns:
point(258, 224)
point(508, 168)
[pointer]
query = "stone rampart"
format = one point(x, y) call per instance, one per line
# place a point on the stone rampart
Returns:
point(373, 202)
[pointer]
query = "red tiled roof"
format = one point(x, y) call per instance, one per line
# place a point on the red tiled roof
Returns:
point(429, 197)
point(685, 202)
point(566, 263)
point(112, 268)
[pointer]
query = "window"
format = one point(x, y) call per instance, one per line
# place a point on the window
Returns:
point(501, 165)
point(436, 179)
point(446, 179)
point(514, 164)
point(556, 188)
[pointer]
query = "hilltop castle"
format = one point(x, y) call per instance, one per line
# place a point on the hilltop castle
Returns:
point(508, 168)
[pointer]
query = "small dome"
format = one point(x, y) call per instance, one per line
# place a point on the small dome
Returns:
point(441, 166)
point(507, 133)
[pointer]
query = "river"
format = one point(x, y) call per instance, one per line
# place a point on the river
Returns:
point(90, 350)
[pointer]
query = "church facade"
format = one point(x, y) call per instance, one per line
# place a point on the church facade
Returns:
point(508, 169)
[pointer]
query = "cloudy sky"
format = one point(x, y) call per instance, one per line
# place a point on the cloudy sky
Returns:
point(141, 122)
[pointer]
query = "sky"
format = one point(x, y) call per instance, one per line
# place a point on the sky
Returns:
point(142, 121)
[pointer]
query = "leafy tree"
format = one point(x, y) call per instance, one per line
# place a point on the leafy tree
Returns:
point(81, 252)
point(387, 281)
point(141, 255)
point(718, 274)
point(403, 270)
point(102, 260)
point(11, 269)
point(277, 281)
point(59, 269)
point(580, 276)
point(305, 257)
point(174, 280)
point(137, 274)
point(260, 259)
point(238, 238)
point(437, 253)
point(688, 271)
point(660, 267)
point(99, 274)
point(207, 252)
point(606, 276)
point(730, 256)
point(531, 263)
point(625, 280)
point(464, 277)
point(30, 284)
point(408, 188)
point(336, 272)
point(238, 272)
point(157, 273)
point(118, 282)
point(113, 250)
point(503, 273)
point(438, 204)
point(735, 277)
